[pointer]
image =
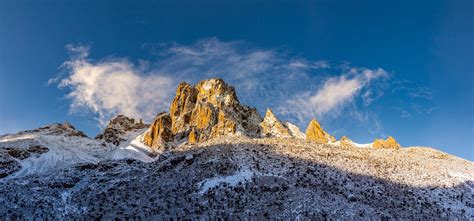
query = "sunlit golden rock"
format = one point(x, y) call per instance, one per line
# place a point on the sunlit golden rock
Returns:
point(273, 127)
point(210, 109)
point(159, 132)
point(389, 143)
point(315, 132)
point(182, 107)
point(345, 142)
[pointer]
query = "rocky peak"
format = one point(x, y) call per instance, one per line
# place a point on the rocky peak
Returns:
point(315, 132)
point(345, 142)
point(65, 129)
point(118, 127)
point(122, 122)
point(273, 127)
point(207, 110)
point(216, 92)
point(295, 130)
point(389, 143)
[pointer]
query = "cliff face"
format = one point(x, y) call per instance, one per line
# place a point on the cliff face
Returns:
point(207, 110)
point(159, 132)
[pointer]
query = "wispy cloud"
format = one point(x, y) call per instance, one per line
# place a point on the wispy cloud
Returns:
point(297, 88)
point(113, 86)
point(335, 93)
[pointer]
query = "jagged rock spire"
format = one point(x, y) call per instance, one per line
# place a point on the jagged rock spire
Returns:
point(273, 127)
point(315, 132)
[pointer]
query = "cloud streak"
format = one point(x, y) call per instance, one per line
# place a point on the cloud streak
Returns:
point(335, 93)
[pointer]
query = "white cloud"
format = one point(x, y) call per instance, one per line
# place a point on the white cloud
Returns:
point(334, 94)
point(111, 87)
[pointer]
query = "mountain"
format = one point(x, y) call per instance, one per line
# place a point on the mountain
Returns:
point(211, 157)
point(207, 110)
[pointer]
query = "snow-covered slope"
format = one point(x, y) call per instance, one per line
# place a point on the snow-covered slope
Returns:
point(61, 146)
point(262, 178)
point(133, 148)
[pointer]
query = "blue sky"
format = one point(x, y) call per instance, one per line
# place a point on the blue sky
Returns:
point(364, 69)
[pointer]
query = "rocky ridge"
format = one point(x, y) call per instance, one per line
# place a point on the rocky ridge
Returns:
point(390, 142)
point(211, 109)
point(118, 128)
point(273, 127)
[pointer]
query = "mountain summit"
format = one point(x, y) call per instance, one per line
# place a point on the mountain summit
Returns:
point(207, 110)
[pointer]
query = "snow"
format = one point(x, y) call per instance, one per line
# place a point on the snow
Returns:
point(367, 145)
point(282, 178)
point(241, 176)
point(133, 148)
point(65, 151)
point(295, 131)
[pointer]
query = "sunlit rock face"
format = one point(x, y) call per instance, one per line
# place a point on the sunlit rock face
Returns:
point(118, 128)
point(273, 127)
point(159, 132)
point(182, 108)
point(389, 143)
point(345, 142)
point(315, 132)
point(207, 110)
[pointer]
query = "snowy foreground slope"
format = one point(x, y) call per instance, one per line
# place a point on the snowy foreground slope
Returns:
point(237, 177)
point(58, 146)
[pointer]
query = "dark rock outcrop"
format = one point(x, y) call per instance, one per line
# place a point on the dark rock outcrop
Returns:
point(118, 127)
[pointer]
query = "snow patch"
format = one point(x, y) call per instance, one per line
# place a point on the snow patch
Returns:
point(295, 131)
point(241, 176)
point(135, 149)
